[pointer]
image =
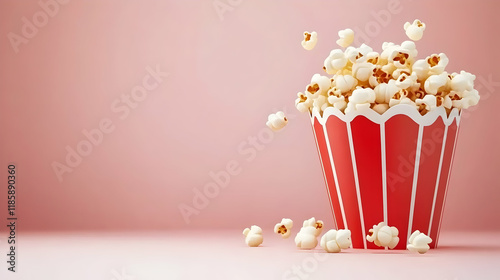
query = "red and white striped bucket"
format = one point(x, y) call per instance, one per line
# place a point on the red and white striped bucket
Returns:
point(393, 167)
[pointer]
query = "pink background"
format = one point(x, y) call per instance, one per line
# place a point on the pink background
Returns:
point(226, 75)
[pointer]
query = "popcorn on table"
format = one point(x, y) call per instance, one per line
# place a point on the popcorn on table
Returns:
point(383, 235)
point(307, 238)
point(253, 236)
point(284, 227)
point(419, 242)
point(310, 40)
point(276, 121)
point(335, 240)
point(395, 75)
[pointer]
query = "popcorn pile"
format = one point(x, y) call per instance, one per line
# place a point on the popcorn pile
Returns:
point(361, 78)
point(333, 241)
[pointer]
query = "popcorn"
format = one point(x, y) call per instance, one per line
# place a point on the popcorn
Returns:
point(372, 57)
point(335, 61)
point(276, 121)
point(284, 228)
point(394, 75)
point(380, 108)
point(383, 235)
point(253, 236)
point(437, 63)
point(436, 83)
point(421, 68)
point(306, 238)
point(429, 102)
point(336, 98)
point(405, 80)
point(385, 91)
point(317, 224)
point(361, 97)
point(415, 30)
point(379, 76)
point(402, 56)
point(310, 40)
point(419, 242)
point(302, 103)
point(321, 102)
point(335, 240)
point(462, 82)
point(345, 83)
point(319, 86)
point(362, 71)
point(401, 97)
point(357, 54)
point(346, 37)
point(468, 98)
point(444, 101)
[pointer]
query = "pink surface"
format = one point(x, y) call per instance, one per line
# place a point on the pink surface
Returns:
point(155, 152)
point(186, 255)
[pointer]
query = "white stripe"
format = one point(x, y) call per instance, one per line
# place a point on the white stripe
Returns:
point(415, 180)
point(327, 140)
point(443, 146)
point(324, 174)
point(356, 181)
point(446, 189)
point(384, 170)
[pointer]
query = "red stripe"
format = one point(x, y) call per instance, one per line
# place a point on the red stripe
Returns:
point(328, 172)
point(339, 144)
point(432, 142)
point(401, 135)
point(366, 140)
point(443, 181)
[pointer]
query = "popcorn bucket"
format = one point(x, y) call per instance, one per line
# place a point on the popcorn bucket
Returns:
point(393, 168)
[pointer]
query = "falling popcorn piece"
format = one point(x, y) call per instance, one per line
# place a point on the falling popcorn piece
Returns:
point(346, 37)
point(415, 30)
point(335, 240)
point(310, 40)
point(253, 236)
point(383, 235)
point(284, 228)
point(419, 242)
point(276, 121)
